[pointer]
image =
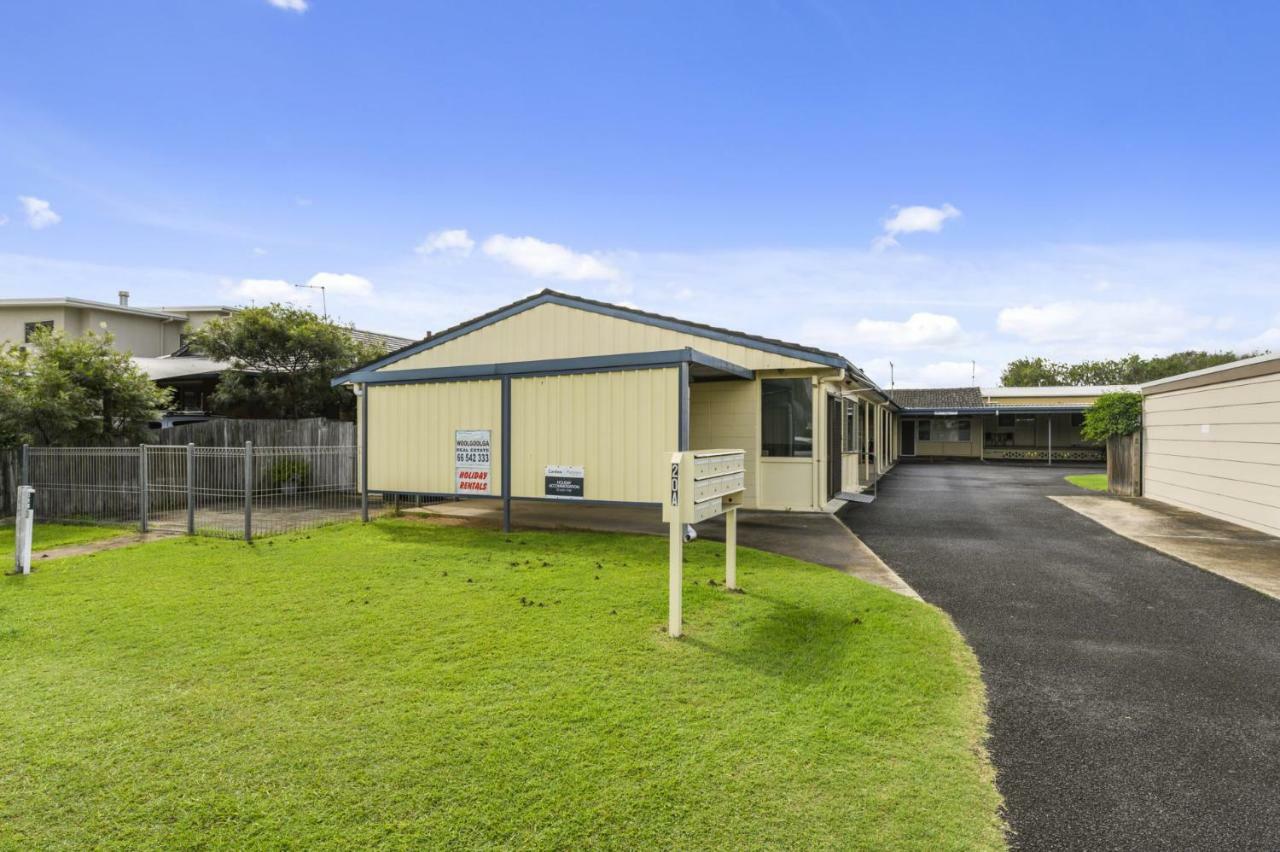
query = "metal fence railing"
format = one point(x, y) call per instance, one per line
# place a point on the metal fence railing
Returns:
point(239, 492)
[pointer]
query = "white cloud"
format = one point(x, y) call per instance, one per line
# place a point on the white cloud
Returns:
point(1146, 322)
point(548, 260)
point(39, 213)
point(259, 252)
point(341, 283)
point(910, 220)
point(264, 290)
point(290, 5)
point(4, 220)
point(454, 241)
point(920, 329)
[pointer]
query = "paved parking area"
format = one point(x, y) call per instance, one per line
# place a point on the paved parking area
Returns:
point(1135, 699)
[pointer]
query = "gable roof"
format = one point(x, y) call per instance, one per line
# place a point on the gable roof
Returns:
point(938, 398)
point(548, 296)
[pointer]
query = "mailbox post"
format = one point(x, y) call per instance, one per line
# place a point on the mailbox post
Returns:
point(22, 529)
point(704, 484)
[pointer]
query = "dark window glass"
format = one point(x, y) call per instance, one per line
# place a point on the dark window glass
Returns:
point(962, 431)
point(1005, 420)
point(850, 425)
point(787, 414)
point(1077, 419)
point(29, 329)
point(923, 431)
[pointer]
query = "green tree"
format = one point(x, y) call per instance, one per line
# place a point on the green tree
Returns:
point(1032, 372)
point(1112, 414)
point(1129, 370)
point(74, 391)
point(282, 359)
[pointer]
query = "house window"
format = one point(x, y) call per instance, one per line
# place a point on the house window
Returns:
point(1005, 421)
point(923, 431)
point(29, 329)
point(787, 418)
point(850, 426)
point(954, 431)
point(1077, 419)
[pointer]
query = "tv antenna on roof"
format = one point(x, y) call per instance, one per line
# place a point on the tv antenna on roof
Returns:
point(324, 303)
point(890, 375)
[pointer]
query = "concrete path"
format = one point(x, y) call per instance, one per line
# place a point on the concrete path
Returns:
point(1134, 699)
point(813, 537)
point(1238, 553)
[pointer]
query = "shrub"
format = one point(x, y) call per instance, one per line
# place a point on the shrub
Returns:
point(287, 471)
point(1112, 415)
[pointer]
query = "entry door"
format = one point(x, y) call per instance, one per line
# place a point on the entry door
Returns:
point(835, 473)
point(908, 437)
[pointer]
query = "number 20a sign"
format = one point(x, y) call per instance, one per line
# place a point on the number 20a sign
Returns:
point(471, 453)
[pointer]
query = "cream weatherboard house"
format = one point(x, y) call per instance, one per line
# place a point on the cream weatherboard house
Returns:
point(559, 397)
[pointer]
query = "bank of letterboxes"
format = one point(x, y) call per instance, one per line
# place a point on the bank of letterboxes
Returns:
point(704, 484)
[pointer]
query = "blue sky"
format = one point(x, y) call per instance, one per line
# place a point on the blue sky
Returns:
point(926, 184)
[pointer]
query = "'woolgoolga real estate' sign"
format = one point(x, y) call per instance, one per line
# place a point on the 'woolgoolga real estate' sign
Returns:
point(471, 453)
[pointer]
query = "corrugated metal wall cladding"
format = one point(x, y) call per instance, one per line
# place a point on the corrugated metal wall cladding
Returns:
point(411, 432)
point(555, 331)
point(619, 426)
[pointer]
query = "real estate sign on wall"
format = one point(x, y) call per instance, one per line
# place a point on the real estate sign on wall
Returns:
point(563, 481)
point(471, 453)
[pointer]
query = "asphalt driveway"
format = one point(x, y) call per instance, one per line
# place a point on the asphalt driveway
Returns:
point(1135, 700)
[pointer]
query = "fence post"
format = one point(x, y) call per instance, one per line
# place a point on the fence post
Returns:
point(142, 487)
point(248, 490)
point(26, 471)
point(191, 489)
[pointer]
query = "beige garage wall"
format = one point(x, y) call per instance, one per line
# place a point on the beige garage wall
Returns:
point(411, 433)
point(620, 427)
point(1216, 449)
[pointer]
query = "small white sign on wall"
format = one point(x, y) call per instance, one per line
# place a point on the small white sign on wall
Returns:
point(564, 481)
point(471, 453)
point(1204, 428)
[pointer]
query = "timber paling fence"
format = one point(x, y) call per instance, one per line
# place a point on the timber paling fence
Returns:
point(233, 492)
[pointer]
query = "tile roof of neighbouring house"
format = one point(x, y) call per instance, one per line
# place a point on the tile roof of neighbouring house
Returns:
point(386, 342)
point(938, 398)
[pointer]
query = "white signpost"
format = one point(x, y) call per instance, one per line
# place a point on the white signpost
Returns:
point(22, 529)
point(472, 449)
point(704, 484)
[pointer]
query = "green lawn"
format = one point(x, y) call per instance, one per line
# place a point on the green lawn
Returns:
point(1090, 481)
point(417, 686)
point(48, 536)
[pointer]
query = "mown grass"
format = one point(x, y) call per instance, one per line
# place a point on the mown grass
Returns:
point(416, 686)
point(48, 536)
point(1089, 481)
